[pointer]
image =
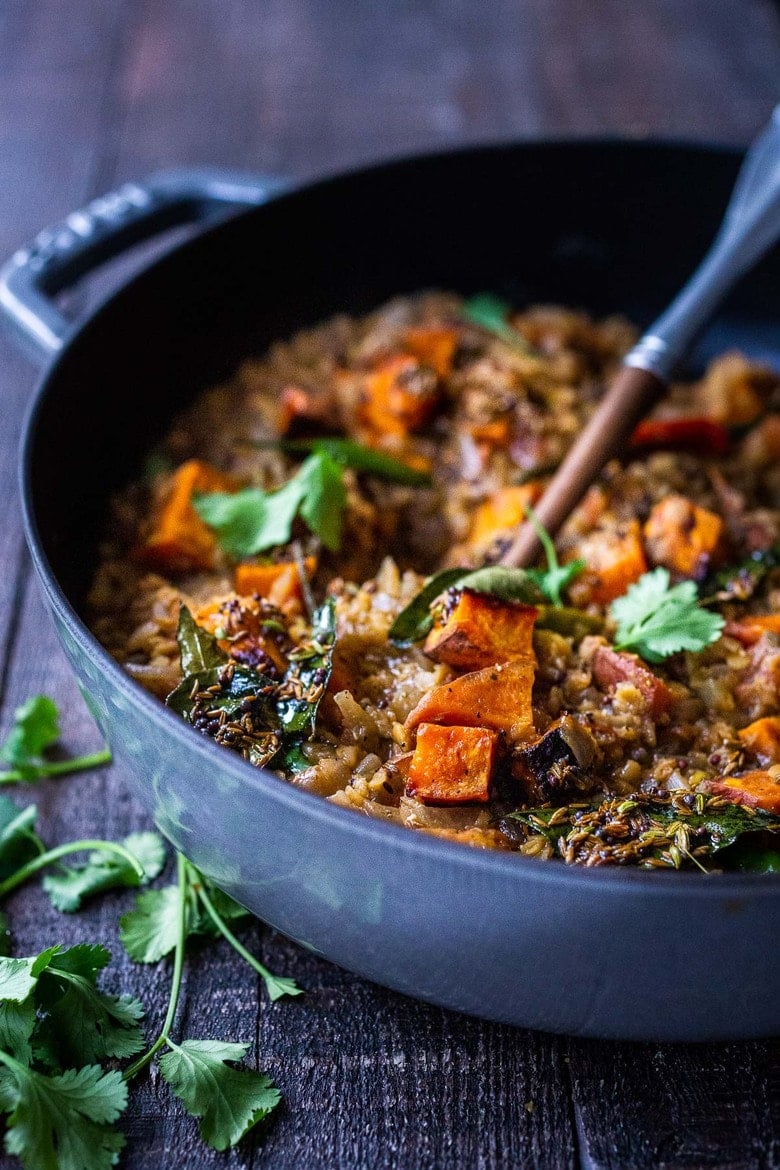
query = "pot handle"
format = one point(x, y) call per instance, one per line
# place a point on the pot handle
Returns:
point(59, 256)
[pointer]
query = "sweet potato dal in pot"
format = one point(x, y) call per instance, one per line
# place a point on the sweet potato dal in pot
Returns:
point(307, 573)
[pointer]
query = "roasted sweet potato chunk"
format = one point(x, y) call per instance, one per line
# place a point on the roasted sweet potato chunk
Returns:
point(755, 789)
point(614, 560)
point(278, 582)
point(684, 537)
point(481, 630)
point(504, 510)
point(749, 629)
point(399, 396)
point(179, 541)
point(762, 738)
point(611, 667)
point(433, 345)
point(452, 765)
point(498, 697)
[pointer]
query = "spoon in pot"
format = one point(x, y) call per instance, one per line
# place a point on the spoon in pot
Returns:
point(750, 227)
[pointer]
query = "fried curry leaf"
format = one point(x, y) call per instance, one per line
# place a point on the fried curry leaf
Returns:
point(283, 713)
point(232, 687)
point(252, 520)
point(198, 649)
point(359, 458)
point(229, 1101)
point(415, 620)
point(490, 312)
point(308, 674)
point(643, 830)
point(657, 619)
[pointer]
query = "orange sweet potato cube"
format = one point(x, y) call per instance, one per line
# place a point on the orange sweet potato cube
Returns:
point(684, 537)
point(279, 582)
point(749, 629)
point(434, 345)
point(398, 397)
point(755, 789)
point(482, 630)
point(614, 560)
point(762, 738)
point(498, 697)
point(503, 510)
point(452, 765)
point(179, 540)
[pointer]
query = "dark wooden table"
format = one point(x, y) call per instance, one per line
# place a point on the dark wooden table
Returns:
point(97, 91)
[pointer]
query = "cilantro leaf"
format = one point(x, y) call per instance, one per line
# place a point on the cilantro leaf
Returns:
point(490, 312)
point(556, 577)
point(60, 1122)
point(36, 727)
point(68, 886)
point(252, 520)
point(83, 1023)
point(229, 1101)
point(324, 498)
point(17, 979)
point(278, 986)
point(17, 1021)
point(657, 619)
point(150, 930)
point(18, 841)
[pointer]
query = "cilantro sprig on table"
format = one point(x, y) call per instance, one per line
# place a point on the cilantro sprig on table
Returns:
point(57, 1026)
point(657, 619)
point(36, 729)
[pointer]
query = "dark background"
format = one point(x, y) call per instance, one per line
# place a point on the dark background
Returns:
point(97, 91)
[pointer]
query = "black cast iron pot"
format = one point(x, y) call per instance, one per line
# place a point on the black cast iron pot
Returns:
point(610, 226)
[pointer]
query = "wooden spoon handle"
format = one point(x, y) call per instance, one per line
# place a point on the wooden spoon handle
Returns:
point(630, 396)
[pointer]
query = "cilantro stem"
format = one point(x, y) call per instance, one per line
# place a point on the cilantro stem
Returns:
point(52, 855)
point(182, 870)
point(14, 1065)
point(544, 538)
point(303, 577)
point(59, 767)
point(227, 934)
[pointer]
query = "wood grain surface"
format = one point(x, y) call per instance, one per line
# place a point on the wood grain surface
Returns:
point(97, 91)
